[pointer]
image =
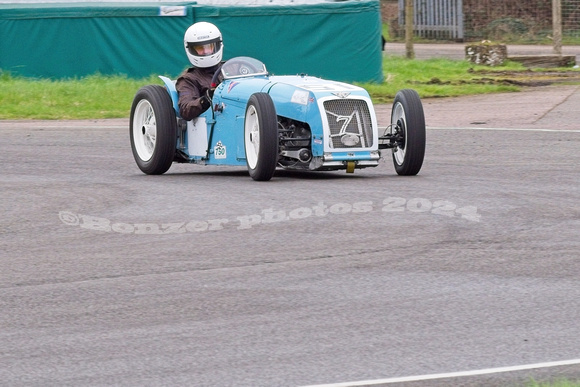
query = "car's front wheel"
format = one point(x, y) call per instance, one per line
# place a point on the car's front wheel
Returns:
point(261, 137)
point(153, 130)
point(408, 128)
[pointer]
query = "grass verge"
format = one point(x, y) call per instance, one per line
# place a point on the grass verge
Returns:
point(95, 96)
point(436, 78)
point(556, 383)
point(99, 96)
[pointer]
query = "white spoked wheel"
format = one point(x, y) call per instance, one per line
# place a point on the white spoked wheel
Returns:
point(261, 136)
point(153, 130)
point(252, 136)
point(144, 130)
point(399, 122)
point(408, 128)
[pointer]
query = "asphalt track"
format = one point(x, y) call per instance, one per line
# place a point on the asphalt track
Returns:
point(457, 50)
point(203, 277)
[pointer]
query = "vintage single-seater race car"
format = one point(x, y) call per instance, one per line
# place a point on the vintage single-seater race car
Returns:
point(266, 122)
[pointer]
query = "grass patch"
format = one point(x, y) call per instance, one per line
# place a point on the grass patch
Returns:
point(556, 383)
point(95, 96)
point(437, 78)
point(100, 96)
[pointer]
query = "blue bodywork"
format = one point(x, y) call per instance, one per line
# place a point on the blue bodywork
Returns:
point(336, 120)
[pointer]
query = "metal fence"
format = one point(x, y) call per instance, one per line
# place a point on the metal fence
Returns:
point(490, 19)
point(526, 20)
point(571, 17)
point(436, 19)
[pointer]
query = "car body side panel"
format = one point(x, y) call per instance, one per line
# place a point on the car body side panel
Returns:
point(231, 98)
point(240, 89)
point(170, 86)
point(299, 98)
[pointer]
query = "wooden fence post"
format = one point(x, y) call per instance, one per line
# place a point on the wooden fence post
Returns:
point(409, 24)
point(557, 25)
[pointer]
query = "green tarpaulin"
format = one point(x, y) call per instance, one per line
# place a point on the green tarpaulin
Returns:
point(335, 40)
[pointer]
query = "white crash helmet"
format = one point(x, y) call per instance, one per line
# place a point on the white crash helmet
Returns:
point(203, 44)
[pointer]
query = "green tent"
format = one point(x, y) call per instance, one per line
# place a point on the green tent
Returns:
point(338, 40)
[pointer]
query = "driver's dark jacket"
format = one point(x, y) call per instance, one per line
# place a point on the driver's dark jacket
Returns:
point(192, 86)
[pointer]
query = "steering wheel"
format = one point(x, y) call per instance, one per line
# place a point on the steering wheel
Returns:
point(216, 79)
point(245, 68)
point(242, 67)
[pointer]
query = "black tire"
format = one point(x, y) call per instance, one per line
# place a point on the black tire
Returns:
point(408, 123)
point(261, 137)
point(153, 130)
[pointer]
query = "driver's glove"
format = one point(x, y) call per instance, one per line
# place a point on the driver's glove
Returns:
point(205, 102)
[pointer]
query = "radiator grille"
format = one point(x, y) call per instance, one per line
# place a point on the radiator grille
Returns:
point(350, 123)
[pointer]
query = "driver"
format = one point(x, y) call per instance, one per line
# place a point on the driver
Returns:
point(204, 49)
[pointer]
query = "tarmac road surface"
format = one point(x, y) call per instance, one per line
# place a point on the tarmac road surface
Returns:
point(204, 277)
point(457, 50)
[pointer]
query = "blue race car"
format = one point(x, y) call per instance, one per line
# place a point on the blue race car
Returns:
point(266, 122)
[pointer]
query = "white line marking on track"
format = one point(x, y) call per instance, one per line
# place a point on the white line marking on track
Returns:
point(82, 127)
point(509, 129)
point(383, 129)
point(452, 374)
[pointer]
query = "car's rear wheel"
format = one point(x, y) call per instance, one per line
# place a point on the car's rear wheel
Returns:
point(261, 137)
point(153, 130)
point(408, 126)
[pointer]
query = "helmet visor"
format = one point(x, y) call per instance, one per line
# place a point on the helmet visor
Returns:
point(203, 48)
